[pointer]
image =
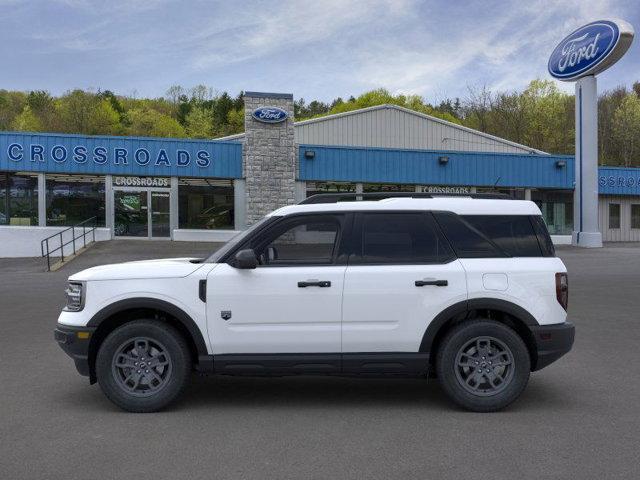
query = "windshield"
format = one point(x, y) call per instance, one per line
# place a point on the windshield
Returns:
point(236, 240)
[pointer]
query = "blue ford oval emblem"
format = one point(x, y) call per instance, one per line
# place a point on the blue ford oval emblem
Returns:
point(270, 114)
point(581, 52)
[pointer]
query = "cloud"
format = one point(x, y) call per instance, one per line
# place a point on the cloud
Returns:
point(317, 49)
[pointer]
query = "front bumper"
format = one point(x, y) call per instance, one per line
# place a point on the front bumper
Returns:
point(552, 342)
point(75, 343)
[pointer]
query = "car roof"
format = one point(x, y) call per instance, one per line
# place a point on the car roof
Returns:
point(459, 205)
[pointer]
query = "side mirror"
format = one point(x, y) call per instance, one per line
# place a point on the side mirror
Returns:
point(246, 259)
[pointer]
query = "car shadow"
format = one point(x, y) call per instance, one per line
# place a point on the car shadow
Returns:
point(227, 392)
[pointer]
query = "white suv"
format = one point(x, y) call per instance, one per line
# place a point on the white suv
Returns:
point(462, 288)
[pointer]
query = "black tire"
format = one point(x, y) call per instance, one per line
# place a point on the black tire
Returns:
point(165, 378)
point(497, 385)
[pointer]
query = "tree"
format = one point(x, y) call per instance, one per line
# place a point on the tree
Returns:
point(27, 121)
point(625, 128)
point(198, 123)
point(75, 109)
point(147, 122)
point(11, 105)
point(104, 120)
point(235, 121)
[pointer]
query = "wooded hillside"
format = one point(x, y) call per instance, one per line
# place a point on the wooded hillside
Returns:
point(541, 116)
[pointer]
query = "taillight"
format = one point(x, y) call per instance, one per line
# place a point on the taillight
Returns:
point(562, 289)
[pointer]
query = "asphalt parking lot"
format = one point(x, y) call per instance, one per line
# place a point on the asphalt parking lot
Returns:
point(579, 418)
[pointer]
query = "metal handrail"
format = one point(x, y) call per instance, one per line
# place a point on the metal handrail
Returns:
point(86, 230)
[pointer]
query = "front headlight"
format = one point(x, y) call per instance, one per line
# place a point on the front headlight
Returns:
point(75, 297)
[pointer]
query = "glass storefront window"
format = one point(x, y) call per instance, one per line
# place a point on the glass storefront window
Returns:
point(557, 209)
point(18, 199)
point(72, 199)
point(314, 188)
point(515, 193)
point(205, 204)
point(385, 187)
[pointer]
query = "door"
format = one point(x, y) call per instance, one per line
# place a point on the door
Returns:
point(402, 275)
point(131, 213)
point(134, 218)
point(290, 303)
point(160, 226)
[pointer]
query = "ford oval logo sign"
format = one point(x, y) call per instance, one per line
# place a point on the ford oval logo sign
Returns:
point(590, 49)
point(270, 114)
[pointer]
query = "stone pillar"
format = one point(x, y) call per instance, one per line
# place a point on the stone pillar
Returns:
point(269, 156)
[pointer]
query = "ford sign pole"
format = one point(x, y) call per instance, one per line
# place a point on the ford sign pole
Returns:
point(583, 54)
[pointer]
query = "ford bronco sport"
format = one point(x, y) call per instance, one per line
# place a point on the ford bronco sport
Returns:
point(467, 289)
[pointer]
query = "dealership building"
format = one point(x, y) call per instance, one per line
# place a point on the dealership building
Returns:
point(181, 189)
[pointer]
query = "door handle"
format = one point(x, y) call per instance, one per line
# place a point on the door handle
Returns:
point(437, 283)
point(314, 283)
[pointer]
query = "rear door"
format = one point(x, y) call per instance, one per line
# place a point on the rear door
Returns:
point(401, 275)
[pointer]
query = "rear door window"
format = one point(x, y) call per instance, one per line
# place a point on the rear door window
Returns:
point(398, 238)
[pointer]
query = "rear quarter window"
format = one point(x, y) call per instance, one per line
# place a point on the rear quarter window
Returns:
point(487, 236)
point(512, 233)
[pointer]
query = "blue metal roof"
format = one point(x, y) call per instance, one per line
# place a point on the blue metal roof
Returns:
point(380, 165)
point(58, 153)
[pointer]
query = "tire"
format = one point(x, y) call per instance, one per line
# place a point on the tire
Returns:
point(143, 366)
point(502, 360)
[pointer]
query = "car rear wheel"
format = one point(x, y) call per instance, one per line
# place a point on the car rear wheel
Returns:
point(143, 366)
point(483, 365)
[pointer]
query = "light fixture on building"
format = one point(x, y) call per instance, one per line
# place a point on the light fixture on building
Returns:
point(309, 154)
point(443, 160)
point(561, 164)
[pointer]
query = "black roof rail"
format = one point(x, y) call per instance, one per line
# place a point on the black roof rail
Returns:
point(352, 196)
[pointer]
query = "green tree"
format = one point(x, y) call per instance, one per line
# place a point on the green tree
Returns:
point(235, 121)
point(199, 124)
point(75, 109)
point(147, 122)
point(104, 120)
point(11, 105)
point(27, 121)
point(626, 129)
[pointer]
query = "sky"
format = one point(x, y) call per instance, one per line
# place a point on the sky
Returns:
point(319, 49)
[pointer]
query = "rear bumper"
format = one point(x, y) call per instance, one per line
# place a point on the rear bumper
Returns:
point(75, 343)
point(552, 342)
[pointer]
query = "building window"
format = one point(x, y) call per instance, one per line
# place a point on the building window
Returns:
point(614, 215)
point(635, 215)
point(205, 204)
point(557, 209)
point(18, 199)
point(72, 199)
point(314, 188)
point(387, 187)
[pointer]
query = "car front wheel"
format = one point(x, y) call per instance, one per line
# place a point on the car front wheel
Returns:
point(143, 366)
point(483, 365)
